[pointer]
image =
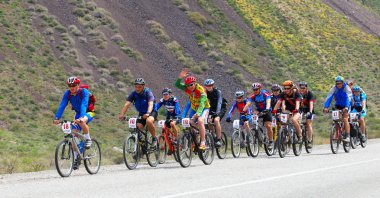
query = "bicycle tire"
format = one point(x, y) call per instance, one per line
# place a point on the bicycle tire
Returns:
point(364, 144)
point(163, 149)
point(334, 139)
point(68, 160)
point(355, 140)
point(235, 144)
point(282, 140)
point(297, 147)
point(131, 153)
point(268, 151)
point(184, 149)
point(221, 152)
point(95, 148)
point(207, 155)
point(346, 146)
point(152, 154)
point(309, 150)
point(253, 144)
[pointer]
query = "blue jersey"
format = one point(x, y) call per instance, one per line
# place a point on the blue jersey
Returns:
point(260, 100)
point(141, 100)
point(342, 96)
point(79, 103)
point(358, 100)
point(171, 105)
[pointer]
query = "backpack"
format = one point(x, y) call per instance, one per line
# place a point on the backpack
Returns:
point(91, 100)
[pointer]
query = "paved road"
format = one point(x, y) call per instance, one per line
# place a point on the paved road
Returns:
point(320, 174)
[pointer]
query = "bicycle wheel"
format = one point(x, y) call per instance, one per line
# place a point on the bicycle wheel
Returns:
point(346, 146)
point(334, 139)
point(64, 158)
point(282, 143)
point(221, 151)
point(184, 149)
point(364, 144)
point(92, 157)
point(253, 144)
point(311, 144)
point(131, 152)
point(207, 155)
point(235, 144)
point(268, 151)
point(354, 138)
point(163, 149)
point(175, 156)
point(297, 145)
point(152, 154)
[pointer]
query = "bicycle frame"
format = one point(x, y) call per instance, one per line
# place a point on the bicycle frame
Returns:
point(71, 132)
point(166, 131)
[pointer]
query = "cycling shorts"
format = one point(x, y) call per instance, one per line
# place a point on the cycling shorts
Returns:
point(204, 113)
point(143, 121)
point(89, 115)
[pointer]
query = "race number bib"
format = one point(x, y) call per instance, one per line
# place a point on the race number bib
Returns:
point(274, 122)
point(66, 127)
point(161, 123)
point(255, 118)
point(335, 115)
point(132, 123)
point(300, 118)
point(236, 124)
point(186, 122)
point(284, 117)
point(353, 116)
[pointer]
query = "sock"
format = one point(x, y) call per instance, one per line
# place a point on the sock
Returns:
point(87, 136)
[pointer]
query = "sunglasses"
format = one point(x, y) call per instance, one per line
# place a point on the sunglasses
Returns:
point(72, 85)
point(276, 90)
point(165, 94)
point(287, 88)
point(209, 85)
point(256, 89)
point(339, 83)
point(189, 85)
point(239, 97)
point(302, 87)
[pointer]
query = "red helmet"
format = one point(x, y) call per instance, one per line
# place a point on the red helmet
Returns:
point(190, 79)
point(73, 81)
point(256, 85)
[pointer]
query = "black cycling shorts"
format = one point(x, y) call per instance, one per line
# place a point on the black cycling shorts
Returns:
point(267, 117)
point(143, 121)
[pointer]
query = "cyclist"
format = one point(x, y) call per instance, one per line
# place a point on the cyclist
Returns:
point(199, 103)
point(215, 98)
point(359, 105)
point(307, 107)
point(173, 111)
point(262, 99)
point(276, 92)
point(342, 94)
point(290, 100)
point(79, 103)
point(239, 104)
point(143, 100)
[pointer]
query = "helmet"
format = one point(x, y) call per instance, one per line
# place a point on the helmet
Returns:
point(303, 83)
point(339, 78)
point(239, 94)
point(288, 83)
point(139, 81)
point(190, 79)
point(350, 82)
point(166, 90)
point(256, 85)
point(73, 80)
point(209, 82)
point(276, 87)
point(356, 88)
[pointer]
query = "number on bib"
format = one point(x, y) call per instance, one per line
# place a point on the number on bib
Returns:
point(186, 122)
point(335, 115)
point(132, 123)
point(274, 122)
point(353, 116)
point(161, 123)
point(66, 127)
point(284, 117)
point(236, 124)
point(255, 118)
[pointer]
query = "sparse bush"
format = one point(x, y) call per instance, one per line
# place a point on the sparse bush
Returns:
point(91, 5)
point(88, 17)
point(92, 60)
point(215, 55)
point(113, 60)
point(104, 71)
point(60, 28)
point(41, 8)
point(117, 38)
point(196, 69)
point(177, 2)
point(93, 33)
point(197, 18)
point(82, 39)
point(220, 63)
point(184, 7)
point(204, 66)
point(80, 12)
point(75, 31)
point(102, 62)
point(158, 31)
point(49, 31)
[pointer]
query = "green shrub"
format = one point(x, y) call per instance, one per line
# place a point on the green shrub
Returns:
point(197, 18)
point(75, 31)
point(196, 69)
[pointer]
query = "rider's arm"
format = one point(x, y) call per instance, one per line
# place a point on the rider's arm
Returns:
point(329, 98)
point(220, 100)
point(158, 105)
point(268, 100)
point(180, 85)
point(202, 103)
point(177, 109)
point(231, 110)
point(186, 110)
point(279, 102)
point(150, 107)
point(249, 102)
point(84, 102)
point(63, 105)
point(311, 103)
point(364, 98)
point(125, 108)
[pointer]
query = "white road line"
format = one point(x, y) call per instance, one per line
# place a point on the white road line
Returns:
point(269, 179)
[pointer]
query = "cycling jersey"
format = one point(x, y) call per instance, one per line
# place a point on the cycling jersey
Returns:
point(79, 104)
point(141, 100)
point(171, 105)
point(239, 106)
point(260, 100)
point(342, 97)
point(273, 102)
point(307, 98)
point(358, 101)
point(215, 98)
point(290, 101)
point(198, 97)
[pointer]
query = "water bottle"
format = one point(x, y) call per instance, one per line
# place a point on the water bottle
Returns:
point(81, 146)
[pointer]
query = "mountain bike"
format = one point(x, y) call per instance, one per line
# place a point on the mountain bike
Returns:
point(137, 144)
point(241, 140)
point(73, 144)
point(189, 141)
point(260, 136)
point(305, 138)
point(287, 137)
point(336, 134)
point(275, 127)
point(356, 132)
point(165, 142)
point(221, 151)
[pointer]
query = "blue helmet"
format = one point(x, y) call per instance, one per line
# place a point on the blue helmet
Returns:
point(209, 82)
point(356, 88)
point(339, 78)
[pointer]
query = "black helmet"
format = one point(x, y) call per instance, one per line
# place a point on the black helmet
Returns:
point(276, 87)
point(303, 83)
point(139, 81)
point(166, 90)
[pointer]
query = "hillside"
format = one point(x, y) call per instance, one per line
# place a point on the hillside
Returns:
point(109, 43)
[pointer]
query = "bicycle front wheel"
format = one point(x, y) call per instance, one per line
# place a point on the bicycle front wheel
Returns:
point(297, 145)
point(354, 138)
point(282, 143)
point(92, 158)
point(309, 145)
point(152, 154)
point(163, 149)
point(253, 144)
point(221, 151)
point(364, 144)
point(207, 155)
point(184, 149)
point(334, 139)
point(131, 152)
point(235, 144)
point(64, 158)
